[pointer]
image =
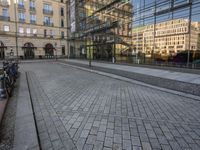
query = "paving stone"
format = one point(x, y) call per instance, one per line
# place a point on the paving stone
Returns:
point(117, 138)
point(118, 130)
point(166, 147)
point(57, 144)
point(72, 132)
point(85, 133)
point(96, 123)
point(110, 125)
point(109, 133)
point(76, 125)
point(88, 147)
point(46, 144)
point(127, 144)
point(135, 141)
point(155, 144)
point(108, 142)
point(86, 106)
point(80, 143)
point(126, 135)
point(117, 146)
point(88, 126)
point(144, 137)
point(106, 148)
point(91, 139)
point(102, 128)
point(94, 130)
point(98, 145)
point(101, 136)
point(146, 146)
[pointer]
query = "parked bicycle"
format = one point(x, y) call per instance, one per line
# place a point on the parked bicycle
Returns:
point(8, 76)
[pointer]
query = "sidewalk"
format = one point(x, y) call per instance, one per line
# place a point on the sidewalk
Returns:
point(18, 129)
point(187, 83)
point(177, 76)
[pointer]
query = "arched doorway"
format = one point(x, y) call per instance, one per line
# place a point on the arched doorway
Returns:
point(29, 51)
point(2, 50)
point(49, 50)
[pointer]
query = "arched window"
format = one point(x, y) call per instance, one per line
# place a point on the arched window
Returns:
point(29, 50)
point(49, 49)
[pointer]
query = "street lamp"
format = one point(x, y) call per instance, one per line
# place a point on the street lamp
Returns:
point(90, 42)
point(55, 50)
point(16, 29)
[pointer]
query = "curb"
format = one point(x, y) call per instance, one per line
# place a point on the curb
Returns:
point(25, 133)
point(3, 104)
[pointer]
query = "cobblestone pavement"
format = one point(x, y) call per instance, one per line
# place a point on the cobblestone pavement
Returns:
point(83, 110)
point(172, 84)
point(8, 123)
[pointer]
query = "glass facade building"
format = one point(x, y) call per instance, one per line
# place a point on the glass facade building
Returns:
point(167, 30)
point(136, 31)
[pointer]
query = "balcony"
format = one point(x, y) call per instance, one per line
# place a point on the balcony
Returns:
point(21, 20)
point(21, 6)
point(4, 18)
point(46, 23)
point(33, 21)
point(31, 8)
point(48, 12)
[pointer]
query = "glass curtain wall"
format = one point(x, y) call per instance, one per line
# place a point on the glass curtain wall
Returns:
point(166, 31)
point(137, 31)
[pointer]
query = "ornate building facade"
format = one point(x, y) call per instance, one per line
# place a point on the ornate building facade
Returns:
point(33, 28)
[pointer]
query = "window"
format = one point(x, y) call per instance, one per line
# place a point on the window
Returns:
point(62, 23)
point(63, 50)
point(35, 32)
point(62, 11)
point(4, 1)
point(48, 7)
point(21, 30)
point(28, 30)
point(6, 28)
point(48, 21)
point(21, 16)
point(62, 35)
point(21, 2)
point(5, 12)
point(45, 33)
point(32, 18)
point(51, 33)
point(32, 4)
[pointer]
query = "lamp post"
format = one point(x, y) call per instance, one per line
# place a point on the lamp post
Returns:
point(56, 50)
point(16, 29)
point(189, 28)
point(90, 44)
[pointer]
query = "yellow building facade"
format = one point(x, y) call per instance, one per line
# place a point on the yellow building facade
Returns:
point(33, 28)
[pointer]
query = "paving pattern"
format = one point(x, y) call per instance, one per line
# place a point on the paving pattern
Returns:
point(76, 109)
point(8, 123)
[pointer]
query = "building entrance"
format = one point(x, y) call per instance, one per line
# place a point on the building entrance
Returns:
point(29, 51)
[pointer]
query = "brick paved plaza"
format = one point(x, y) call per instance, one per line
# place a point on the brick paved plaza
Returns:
point(76, 109)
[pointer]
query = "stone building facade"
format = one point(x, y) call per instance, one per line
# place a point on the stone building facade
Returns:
point(33, 28)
